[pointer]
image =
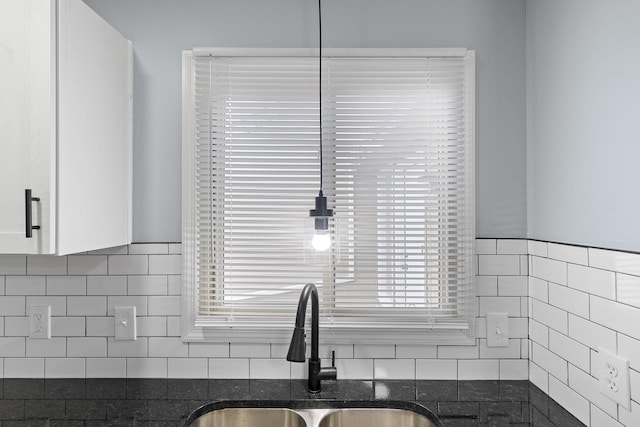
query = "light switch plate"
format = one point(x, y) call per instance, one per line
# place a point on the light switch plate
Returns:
point(497, 330)
point(613, 374)
point(125, 323)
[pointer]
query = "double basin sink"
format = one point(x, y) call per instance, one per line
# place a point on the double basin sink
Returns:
point(312, 413)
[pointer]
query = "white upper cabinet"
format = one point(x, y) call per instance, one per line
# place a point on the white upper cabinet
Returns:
point(65, 129)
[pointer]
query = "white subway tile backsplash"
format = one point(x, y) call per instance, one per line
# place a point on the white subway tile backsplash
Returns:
point(167, 347)
point(149, 249)
point(64, 368)
point(137, 348)
point(593, 281)
point(510, 352)
point(355, 369)
point(492, 265)
point(25, 285)
point(16, 326)
point(165, 264)
point(601, 419)
point(630, 418)
point(164, 305)
point(487, 286)
point(106, 285)
point(128, 264)
point(394, 369)
point(244, 350)
point(509, 305)
point(572, 351)
point(208, 350)
point(188, 368)
point(436, 369)
point(569, 300)
point(621, 262)
point(228, 368)
point(147, 285)
point(512, 246)
point(404, 351)
point(591, 334)
point(560, 299)
point(628, 289)
point(25, 367)
point(478, 369)
point(66, 285)
point(269, 368)
point(106, 367)
point(87, 306)
point(13, 265)
point(139, 302)
point(87, 347)
point(550, 316)
point(625, 320)
point(458, 352)
point(569, 399)
point(549, 270)
point(90, 265)
point(54, 347)
point(550, 362)
point(100, 327)
point(628, 348)
point(567, 253)
point(486, 247)
point(58, 303)
point(538, 376)
point(12, 305)
point(370, 351)
point(68, 326)
point(514, 369)
point(151, 326)
point(12, 346)
point(509, 286)
point(46, 265)
point(147, 368)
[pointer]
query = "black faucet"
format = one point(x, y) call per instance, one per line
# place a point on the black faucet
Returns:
point(298, 345)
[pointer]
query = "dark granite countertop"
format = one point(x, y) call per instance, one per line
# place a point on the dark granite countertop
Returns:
point(162, 402)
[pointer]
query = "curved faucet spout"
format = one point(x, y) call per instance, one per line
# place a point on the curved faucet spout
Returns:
point(297, 347)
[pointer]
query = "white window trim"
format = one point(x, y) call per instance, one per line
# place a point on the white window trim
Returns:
point(192, 332)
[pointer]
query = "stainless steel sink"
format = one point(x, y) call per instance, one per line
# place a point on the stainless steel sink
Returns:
point(312, 413)
point(250, 417)
point(374, 417)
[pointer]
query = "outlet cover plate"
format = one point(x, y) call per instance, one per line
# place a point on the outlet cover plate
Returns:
point(125, 323)
point(613, 374)
point(40, 322)
point(497, 330)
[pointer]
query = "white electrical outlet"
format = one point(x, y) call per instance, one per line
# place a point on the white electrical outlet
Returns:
point(497, 330)
point(40, 322)
point(125, 323)
point(613, 372)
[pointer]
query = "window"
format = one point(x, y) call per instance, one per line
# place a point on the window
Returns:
point(398, 147)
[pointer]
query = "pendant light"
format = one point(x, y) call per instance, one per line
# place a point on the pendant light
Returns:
point(321, 240)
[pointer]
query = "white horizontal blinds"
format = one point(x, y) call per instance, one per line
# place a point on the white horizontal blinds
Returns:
point(398, 173)
point(397, 128)
point(257, 175)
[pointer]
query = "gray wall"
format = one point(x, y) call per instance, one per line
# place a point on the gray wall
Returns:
point(161, 29)
point(583, 110)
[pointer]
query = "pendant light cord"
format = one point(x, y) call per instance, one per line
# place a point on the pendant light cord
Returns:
point(320, 83)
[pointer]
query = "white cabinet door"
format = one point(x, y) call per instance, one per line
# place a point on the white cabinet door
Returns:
point(65, 128)
point(27, 123)
point(94, 131)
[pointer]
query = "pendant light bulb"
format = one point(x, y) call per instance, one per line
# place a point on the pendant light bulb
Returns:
point(321, 241)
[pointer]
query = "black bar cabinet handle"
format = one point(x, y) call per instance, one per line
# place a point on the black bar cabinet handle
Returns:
point(28, 199)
